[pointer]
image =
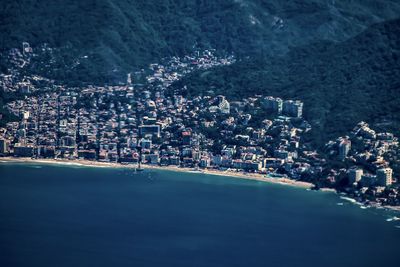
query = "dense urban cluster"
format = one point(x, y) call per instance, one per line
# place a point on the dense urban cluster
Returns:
point(368, 156)
point(145, 123)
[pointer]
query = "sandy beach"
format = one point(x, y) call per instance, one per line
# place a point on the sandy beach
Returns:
point(230, 173)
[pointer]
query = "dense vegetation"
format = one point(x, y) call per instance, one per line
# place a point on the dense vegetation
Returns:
point(340, 83)
point(118, 35)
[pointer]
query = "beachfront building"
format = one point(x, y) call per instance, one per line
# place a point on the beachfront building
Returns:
point(355, 175)
point(21, 150)
point(384, 176)
point(4, 147)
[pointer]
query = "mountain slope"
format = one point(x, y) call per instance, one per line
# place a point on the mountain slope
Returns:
point(340, 83)
point(124, 34)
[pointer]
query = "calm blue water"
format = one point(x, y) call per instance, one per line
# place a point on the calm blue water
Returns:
point(76, 216)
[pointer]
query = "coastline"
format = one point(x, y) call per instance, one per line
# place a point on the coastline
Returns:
point(233, 174)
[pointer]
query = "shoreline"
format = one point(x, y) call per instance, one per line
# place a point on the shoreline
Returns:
point(232, 174)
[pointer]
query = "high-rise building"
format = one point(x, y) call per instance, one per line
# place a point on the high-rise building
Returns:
point(129, 79)
point(344, 148)
point(273, 104)
point(355, 175)
point(384, 176)
point(293, 108)
point(223, 104)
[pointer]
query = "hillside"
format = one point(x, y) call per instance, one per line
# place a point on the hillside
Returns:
point(340, 83)
point(120, 36)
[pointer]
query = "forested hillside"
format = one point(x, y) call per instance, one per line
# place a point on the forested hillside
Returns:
point(121, 35)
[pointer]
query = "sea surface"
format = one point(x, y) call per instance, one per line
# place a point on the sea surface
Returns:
point(84, 216)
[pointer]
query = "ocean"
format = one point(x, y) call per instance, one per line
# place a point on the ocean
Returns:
point(54, 215)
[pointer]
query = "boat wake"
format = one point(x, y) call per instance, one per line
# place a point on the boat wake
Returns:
point(37, 167)
point(394, 218)
point(349, 199)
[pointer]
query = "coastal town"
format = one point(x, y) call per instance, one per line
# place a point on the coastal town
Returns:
point(143, 123)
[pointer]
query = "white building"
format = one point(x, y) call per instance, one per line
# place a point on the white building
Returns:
point(223, 105)
point(26, 115)
point(344, 148)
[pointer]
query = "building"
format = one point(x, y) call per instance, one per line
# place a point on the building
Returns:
point(272, 104)
point(46, 151)
point(216, 160)
point(87, 154)
point(149, 129)
point(368, 180)
point(4, 147)
point(384, 176)
point(238, 164)
point(25, 115)
point(252, 166)
point(281, 154)
point(68, 141)
point(292, 108)
point(344, 148)
point(204, 163)
point(146, 143)
point(151, 158)
point(355, 175)
point(272, 163)
point(129, 79)
point(21, 150)
point(174, 160)
point(196, 155)
point(223, 105)
point(187, 152)
point(186, 138)
point(367, 132)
